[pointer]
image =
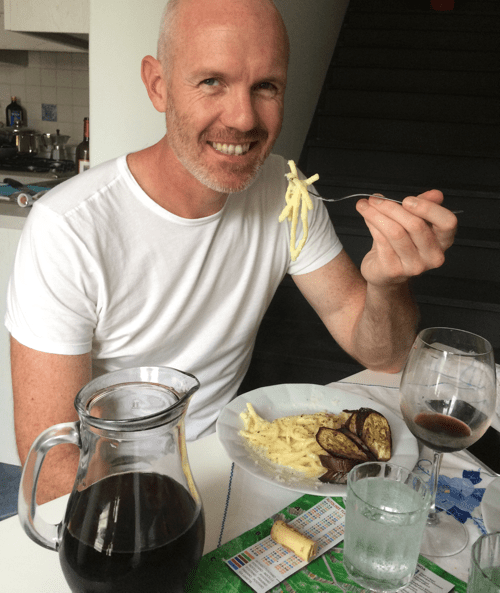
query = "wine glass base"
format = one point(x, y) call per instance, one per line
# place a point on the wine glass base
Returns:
point(446, 537)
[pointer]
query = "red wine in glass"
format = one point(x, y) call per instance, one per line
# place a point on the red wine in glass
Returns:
point(447, 398)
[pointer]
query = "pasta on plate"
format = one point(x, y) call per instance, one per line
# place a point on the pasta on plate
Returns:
point(290, 441)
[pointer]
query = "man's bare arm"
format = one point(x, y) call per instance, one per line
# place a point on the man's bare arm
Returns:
point(372, 313)
point(45, 386)
point(375, 326)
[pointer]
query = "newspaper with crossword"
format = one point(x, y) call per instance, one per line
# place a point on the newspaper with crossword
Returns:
point(254, 562)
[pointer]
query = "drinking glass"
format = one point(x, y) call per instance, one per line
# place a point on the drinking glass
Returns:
point(447, 398)
point(386, 511)
point(484, 574)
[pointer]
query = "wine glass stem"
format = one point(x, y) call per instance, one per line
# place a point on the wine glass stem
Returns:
point(432, 518)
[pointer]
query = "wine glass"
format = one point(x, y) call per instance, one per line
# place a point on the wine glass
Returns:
point(447, 398)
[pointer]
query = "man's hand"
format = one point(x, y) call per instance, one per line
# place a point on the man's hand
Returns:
point(408, 239)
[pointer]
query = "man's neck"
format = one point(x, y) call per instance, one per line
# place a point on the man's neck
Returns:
point(161, 176)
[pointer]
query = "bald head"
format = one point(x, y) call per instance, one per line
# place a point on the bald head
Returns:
point(181, 17)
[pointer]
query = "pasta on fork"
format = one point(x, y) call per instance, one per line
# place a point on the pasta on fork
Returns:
point(297, 198)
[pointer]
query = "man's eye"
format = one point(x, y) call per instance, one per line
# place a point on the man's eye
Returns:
point(210, 82)
point(268, 88)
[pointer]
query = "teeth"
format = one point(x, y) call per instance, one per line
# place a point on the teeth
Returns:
point(237, 149)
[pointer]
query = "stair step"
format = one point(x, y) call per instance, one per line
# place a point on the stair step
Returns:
point(340, 185)
point(423, 21)
point(354, 224)
point(417, 106)
point(415, 40)
point(465, 7)
point(429, 288)
point(291, 323)
point(404, 168)
point(458, 292)
point(460, 139)
point(410, 59)
point(468, 319)
point(473, 262)
point(270, 368)
point(384, 78)
point(481, 209)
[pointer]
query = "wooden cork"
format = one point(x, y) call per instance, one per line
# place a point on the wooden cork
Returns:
point(292, 540)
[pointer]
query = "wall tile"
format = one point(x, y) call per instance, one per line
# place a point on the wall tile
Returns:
point(49, 94)
point(64, 95)
point(63, 61)
point(33, 76)
point(80, 79)
point(80, 61)
point(48, 59)
point(18, 76)
point(34, 59)
point(55, 78)
point(33, 94)
point(64, 78)
point(65, 114)
point(81, 98)
point(48, 77)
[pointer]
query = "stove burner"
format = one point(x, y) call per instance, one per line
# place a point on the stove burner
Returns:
point(26, 162)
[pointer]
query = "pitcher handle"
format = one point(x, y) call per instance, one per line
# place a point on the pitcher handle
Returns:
point(41, 532)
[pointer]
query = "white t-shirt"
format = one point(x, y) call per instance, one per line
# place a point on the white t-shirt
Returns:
point(101, 267)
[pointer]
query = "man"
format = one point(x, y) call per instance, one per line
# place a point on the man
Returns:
point(171, 255)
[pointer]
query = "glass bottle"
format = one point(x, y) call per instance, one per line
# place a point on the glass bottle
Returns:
point(14, 112)
point(82, 157)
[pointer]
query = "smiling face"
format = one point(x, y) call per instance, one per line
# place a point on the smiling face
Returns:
point(225, 90)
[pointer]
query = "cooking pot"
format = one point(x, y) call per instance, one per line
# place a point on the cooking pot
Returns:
point(25, 140)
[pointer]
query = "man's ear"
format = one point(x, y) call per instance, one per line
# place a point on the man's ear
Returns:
point(154, 81)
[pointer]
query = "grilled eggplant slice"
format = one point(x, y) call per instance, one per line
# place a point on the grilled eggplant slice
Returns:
point(340, 443)
point(373, 429)
point(338, 464)
point(333, 477)
point(337, 468)
point(376, 433)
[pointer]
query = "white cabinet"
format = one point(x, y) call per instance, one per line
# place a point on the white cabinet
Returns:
point(25, 41)
point(49, 16)
point(10, 232)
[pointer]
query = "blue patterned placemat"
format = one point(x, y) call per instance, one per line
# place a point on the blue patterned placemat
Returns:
point(460, 497)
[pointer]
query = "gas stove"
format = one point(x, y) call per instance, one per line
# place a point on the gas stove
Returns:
point(34, 164)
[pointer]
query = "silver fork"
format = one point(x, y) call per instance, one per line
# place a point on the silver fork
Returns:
point(365, 196)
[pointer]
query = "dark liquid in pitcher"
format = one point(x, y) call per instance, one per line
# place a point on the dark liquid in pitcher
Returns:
point(131, 532)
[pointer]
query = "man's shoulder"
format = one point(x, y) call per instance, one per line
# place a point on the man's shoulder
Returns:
point(74, 192)
point(271, 175)
point(275, 164)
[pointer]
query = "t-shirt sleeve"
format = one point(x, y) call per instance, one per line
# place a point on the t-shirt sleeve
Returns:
point(52, 294)
point(322, 243)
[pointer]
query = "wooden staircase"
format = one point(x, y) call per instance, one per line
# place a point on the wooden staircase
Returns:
point(411, 102)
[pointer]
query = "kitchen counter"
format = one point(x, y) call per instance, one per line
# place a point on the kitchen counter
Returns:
point(12, 216)
point(28, 177)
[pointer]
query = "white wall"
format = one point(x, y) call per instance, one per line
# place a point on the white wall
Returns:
point(121, 117)
point(313, 27)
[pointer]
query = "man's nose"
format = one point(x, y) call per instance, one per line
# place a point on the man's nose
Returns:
point(240, 111)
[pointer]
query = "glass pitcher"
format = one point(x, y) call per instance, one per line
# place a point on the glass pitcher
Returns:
point(134, 520)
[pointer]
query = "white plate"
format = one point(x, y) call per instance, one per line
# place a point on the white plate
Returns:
point(290, 400)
